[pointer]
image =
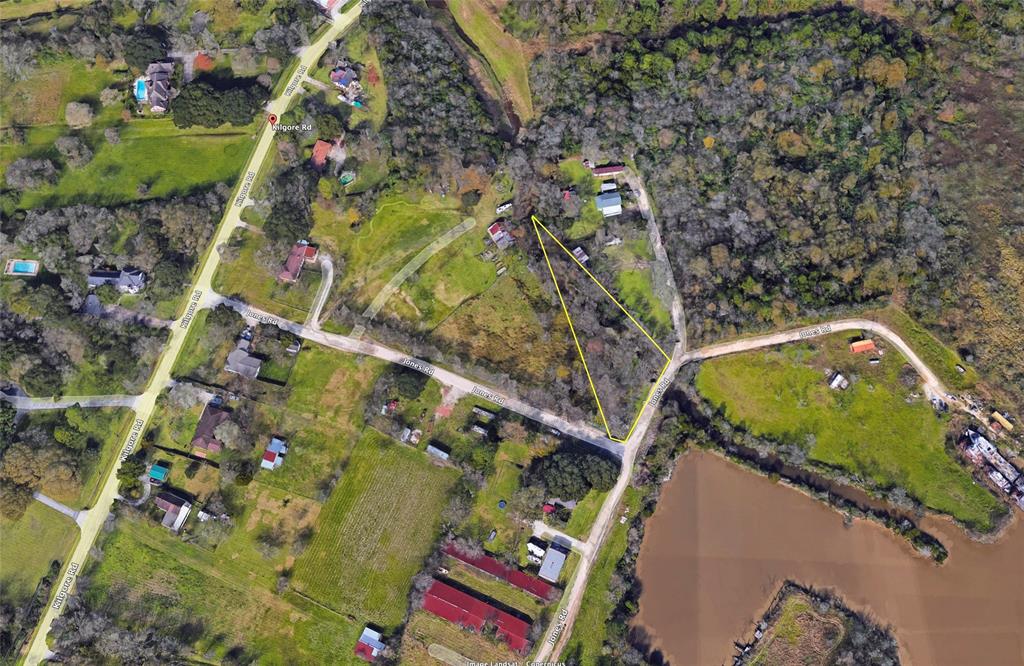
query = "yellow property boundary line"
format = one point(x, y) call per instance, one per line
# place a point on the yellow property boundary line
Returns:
point(537, 226)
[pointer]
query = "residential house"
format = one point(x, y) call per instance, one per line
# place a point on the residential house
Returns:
point(342, 76)
point(242, 362)
point(838, 382)
point(158, 473)
point(507, 206)
point(608, 171)
point(499, 235)
point(551, 567)
point(273, 455)
point(438, 450)
point(321, 149)
point(158, 85)
point(467, 611)
point(126, 281)
point(581, 255)
point(204, 438)
point(609, 203)
point(480, 430)
point(300, 254)
point(535, 549)
point(327, 6)
point(369, 645)
point(484, 414)
point(861, 346)
point(175, 508)
point(609, 186)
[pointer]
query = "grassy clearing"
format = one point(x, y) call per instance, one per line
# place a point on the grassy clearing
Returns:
point(253, 281)
point(376, 92)
point(402, 226)
point(28, 545)
point(940, 358)
point(799, 635)
point(324, 416)
point(870, 429)
point(492, 587)
point(589, 630)
point(509, 463)
point(636, 293)
point(41, 98)
point(16, 9)
point(198, 351)
point(502, 327)
point(504, 53)
point(425, 630)
point(375, 530)
point(584, 514)
point(148, 570)
point(229, 18)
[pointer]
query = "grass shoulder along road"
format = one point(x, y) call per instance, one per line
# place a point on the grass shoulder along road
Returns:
point(375, 531)
point(875, 429)
point(591, 623)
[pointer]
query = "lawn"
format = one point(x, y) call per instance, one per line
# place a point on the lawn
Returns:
point(360, 50)
point(502, 326)
point(799, 634)
point(148, 571)
point(323, 417)
point(255, 283)
point(375, 531)
point(870, 429)
point(584, 514)
point(486, 516)
point(374, 251)
point(40, 99)
point(940, 358)
point(28, 545)
point(425, 630)
point(186, 162)
point(16, 9)
point(489, 586)
point(197, 351)
point(503, 52)
point(589, 630)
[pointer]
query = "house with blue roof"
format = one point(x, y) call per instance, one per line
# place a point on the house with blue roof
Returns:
point(273, 456)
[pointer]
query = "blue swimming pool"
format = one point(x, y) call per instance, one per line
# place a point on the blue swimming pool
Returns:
point(24, 267)
point(140, 89)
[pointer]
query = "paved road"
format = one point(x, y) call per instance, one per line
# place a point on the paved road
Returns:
point(354, 345)
point(545, 531)
point(25, 403)
point(931, 381)
point(414, 264)
point(326, 280)
point(73, 514)
point(90, 527)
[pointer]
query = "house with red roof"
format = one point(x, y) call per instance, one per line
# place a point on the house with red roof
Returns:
point(861, 346)
point(468, 612)
point(369, 644)
point(511, 575)
point(300, 254)
point(321, 149)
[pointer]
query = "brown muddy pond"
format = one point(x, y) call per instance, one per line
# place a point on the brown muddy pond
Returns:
point(723, 540)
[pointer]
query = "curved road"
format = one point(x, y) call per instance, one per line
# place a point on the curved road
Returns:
point(581, 431)
point(93, 522)
point(326, 280)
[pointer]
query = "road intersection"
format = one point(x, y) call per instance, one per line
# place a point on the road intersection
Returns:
point(90, 527)
point(201, 295)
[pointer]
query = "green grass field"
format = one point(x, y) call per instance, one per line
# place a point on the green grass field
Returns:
point(108, 426)
point(584, 514)
point(501, 485)
point(16, 9)
point(503, 52)
point(491, 587)
point(425, 630)
point(154, 573)
point(869, 429)
point(28, 545)
point(376, 91)
point(257, 285)
point(375, 530)
point(323, 416)
point(940, 358)
point(589, 630)
point(402, 226)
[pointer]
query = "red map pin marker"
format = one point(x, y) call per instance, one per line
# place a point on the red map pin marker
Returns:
point(272, 119)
